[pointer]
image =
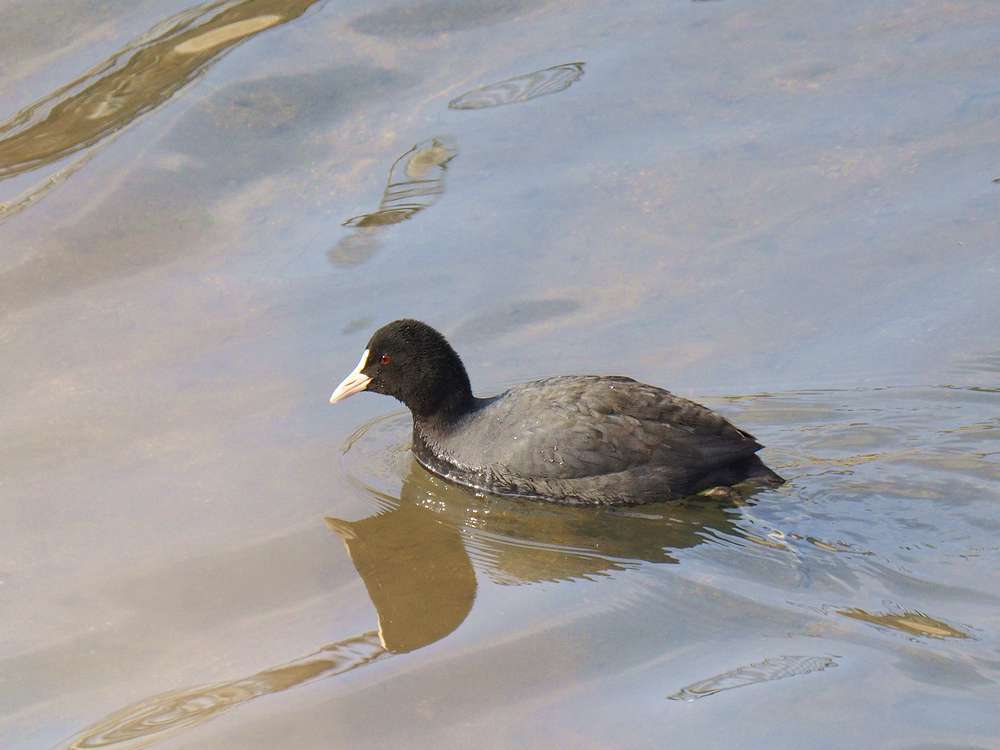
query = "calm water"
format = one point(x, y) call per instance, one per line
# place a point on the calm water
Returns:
point(786, 211)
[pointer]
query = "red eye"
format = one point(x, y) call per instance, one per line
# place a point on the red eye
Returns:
point(386, 359)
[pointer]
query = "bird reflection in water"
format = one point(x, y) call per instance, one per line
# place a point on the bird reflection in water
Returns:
point(515, 541)
point(415, 182)
point(419, 557)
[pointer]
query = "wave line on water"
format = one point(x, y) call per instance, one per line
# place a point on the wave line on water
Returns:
point(769, 670)
point(165, 715)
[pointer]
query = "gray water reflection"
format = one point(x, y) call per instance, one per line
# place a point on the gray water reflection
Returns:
point(431, 17)
point(505, 318)
point(521, 88)
point(768, 670)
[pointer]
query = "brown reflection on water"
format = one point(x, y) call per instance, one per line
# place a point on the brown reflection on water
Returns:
point(417, 573)
point(912, 623)
point(136, 79)
point(54, 180)
point(521, 88)
point(513, 541)
point(416, 559)
point(415, 182)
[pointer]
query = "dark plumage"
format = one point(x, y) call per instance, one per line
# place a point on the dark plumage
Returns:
point(589, 439)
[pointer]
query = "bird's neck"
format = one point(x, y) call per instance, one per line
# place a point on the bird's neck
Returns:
point(440, 414)
point(444, 395)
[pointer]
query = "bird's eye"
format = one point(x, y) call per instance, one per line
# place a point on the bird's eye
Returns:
point(386, 359)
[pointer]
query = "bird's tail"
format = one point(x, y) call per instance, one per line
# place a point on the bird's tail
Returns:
point(760, 474)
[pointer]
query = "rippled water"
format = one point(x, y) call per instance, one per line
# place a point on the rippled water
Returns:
point(786, 212)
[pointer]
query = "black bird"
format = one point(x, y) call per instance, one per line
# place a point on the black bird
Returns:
point(581, 439)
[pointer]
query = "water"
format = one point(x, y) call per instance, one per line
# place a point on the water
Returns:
point(785, 211)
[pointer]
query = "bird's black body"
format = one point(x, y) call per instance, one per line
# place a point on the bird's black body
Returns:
point(597, 440)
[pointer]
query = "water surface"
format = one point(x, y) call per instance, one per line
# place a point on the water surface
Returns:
point(785, 211)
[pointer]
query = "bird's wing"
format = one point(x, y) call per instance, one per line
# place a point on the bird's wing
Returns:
point(577, 427)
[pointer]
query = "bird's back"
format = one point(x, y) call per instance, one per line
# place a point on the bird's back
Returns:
point(585, 439)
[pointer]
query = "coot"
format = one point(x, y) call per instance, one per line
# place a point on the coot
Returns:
point(582, 439)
